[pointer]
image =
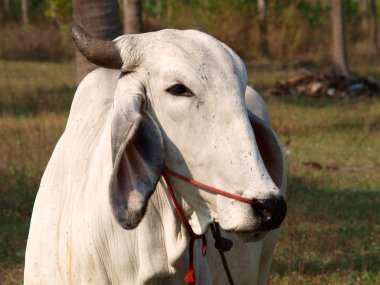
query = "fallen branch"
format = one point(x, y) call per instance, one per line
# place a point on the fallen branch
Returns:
point(326, 85)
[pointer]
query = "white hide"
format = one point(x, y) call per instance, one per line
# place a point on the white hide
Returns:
point(217, 76)
point(75, 239)
point(249, 263)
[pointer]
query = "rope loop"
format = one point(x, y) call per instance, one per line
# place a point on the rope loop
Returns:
point(221, 244)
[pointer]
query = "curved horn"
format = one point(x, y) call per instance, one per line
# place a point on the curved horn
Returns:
point(100, 52)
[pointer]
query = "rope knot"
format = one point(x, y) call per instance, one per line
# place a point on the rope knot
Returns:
point(223, 244)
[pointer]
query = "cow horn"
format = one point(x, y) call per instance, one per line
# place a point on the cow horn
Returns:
point(100, 52)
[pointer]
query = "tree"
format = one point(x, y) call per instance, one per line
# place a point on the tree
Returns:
point(339, 58)
point(263, 29)
point(374, 37)
point(6, 6)
point(364, 14)
point(25, 11)
point(100, 18)
point(132, 17)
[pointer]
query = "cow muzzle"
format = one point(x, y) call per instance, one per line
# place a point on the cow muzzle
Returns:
point(261, 215)
point(270, 213)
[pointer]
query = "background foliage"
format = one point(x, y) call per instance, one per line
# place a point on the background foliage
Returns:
point(296, 28)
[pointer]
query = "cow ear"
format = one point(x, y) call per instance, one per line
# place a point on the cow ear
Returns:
point(137, 156)
point(269, 147)
point(267, 141)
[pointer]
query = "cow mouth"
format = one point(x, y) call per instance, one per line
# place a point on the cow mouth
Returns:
point(246, 236)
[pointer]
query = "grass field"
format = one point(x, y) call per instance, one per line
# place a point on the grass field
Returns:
point(332, 232)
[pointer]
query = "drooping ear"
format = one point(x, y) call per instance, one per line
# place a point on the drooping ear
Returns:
point(137, 155)
point(266, 139)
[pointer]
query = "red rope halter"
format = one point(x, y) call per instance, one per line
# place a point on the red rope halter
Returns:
point(207, 187)
point(190, 276)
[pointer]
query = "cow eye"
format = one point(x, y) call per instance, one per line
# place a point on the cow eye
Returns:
point(123, 73)
point(180, 90)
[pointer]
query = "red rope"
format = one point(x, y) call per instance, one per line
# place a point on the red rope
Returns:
point(208, 188)
point(190, 277)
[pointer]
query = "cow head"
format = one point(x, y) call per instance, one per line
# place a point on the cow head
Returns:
point(180, 103)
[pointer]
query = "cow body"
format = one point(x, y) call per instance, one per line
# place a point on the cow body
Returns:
point(74, 237)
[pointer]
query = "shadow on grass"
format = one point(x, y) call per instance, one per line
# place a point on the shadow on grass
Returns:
point(351, 124)
point(329, 230)
point(56, 100)
point(314, 200)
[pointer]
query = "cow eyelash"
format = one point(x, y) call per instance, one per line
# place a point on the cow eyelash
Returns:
point(180, 90)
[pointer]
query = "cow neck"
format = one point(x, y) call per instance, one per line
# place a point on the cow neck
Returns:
point(224, 244)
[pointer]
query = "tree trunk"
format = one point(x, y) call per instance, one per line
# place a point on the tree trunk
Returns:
point(132, 16)
point(340, 60)
point(263, 29)
point(159, 12)
point(6, 6)
point(100, 18)
point(25, 12)
point(364, 15)
point(374, 37)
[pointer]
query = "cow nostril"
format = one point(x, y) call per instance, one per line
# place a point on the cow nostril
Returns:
point(263, 212)
point(271, 212)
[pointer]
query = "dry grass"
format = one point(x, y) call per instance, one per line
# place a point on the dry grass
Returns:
point(34, 101)
point(25, 147)
point(28, 141)
point(42, 42)
point(28, 89)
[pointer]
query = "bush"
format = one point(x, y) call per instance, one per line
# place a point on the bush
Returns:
point(37, 42)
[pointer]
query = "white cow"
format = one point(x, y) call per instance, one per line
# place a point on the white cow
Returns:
point(175, 99)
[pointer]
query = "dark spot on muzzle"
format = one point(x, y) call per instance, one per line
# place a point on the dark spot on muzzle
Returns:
point(270, 212)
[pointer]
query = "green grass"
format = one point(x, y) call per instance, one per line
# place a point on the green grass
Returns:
point(332, 231)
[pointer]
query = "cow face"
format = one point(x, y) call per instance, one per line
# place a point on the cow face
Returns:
point(180, 103)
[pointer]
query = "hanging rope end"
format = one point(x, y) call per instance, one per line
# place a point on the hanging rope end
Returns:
point(204, 245)
point(190, 277)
